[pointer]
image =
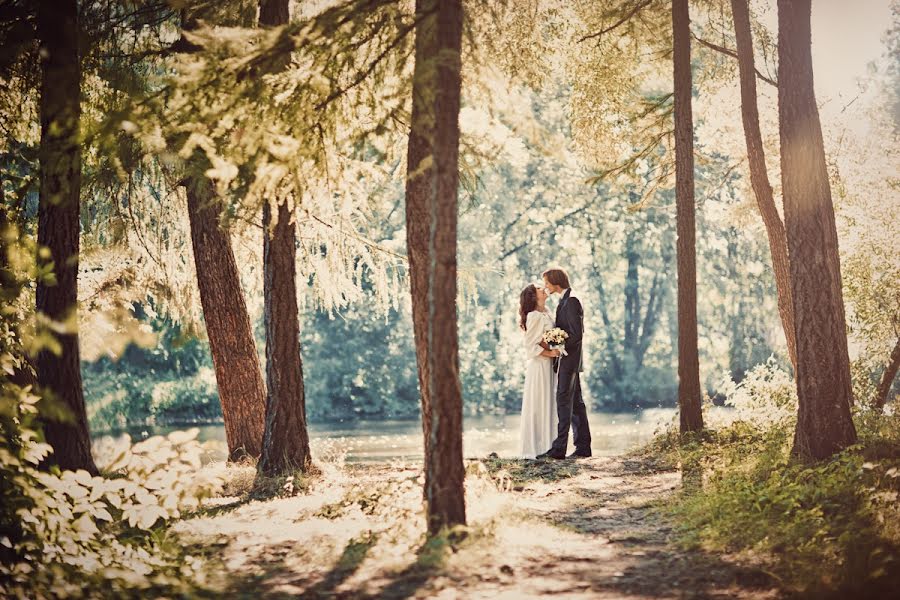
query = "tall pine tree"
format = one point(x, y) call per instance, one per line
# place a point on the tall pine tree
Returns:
point(286, 439)
point(59, 373)
point(431, 212)
point(691, 417)
point(233, 348)
point(824, 425)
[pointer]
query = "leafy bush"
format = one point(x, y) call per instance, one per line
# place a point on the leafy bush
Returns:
point(63, 533)
point(766, 395)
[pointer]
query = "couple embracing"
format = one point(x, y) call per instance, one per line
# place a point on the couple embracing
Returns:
point(552, 401)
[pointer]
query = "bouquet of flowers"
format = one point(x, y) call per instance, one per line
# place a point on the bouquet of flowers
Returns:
point(555, 338)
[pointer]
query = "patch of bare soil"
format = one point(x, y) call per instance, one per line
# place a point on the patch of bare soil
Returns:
point(586, 529)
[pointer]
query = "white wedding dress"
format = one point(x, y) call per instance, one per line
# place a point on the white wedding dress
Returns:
point(538, 401)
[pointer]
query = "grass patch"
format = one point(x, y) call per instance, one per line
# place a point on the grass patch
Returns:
point(515, 474)
point(284, 486)
point(822, 529)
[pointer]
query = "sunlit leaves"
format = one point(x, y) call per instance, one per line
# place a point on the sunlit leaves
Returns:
point(80, 520)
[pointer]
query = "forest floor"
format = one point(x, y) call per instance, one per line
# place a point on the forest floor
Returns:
point(593, 528)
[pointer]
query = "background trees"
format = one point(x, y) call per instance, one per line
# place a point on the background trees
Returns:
point(541, 116)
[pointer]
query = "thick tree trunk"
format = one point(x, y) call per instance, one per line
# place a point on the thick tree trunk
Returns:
point(887, 378)
point(59, 375)
point(418, 183)
point(238, 375)
point(432, 186)
point(824, 425)
point(286, 439)
point(759, 178)
point(691, 418)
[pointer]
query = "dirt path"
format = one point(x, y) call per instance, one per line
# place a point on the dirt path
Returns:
point(586, 529)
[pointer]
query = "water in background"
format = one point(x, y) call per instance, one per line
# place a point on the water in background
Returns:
point(611, 433)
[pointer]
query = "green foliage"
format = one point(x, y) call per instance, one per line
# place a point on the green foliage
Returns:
point(64, 533)
point(359, 365)
point(187, 400)
point(171, 382)
point(71, 534)
point(819, 527)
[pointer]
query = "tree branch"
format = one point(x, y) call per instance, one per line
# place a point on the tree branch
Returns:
point(362, 75)
point(733, 54)
point(634, 10)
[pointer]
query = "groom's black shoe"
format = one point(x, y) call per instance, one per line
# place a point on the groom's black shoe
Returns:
point(551, 453)
point(580, 453)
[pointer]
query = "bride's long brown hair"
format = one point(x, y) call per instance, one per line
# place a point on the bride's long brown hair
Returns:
point(527, 303)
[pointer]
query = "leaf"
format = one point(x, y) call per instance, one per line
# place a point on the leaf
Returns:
point(114, 499)
point(86, 526)
point(83, 477)
point(180, 437)
point(102, 514)
point(149, 515)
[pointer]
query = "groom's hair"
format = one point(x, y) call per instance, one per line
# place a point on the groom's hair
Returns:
point(557, 277)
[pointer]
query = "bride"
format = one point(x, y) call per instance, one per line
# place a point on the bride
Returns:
point(538, 410)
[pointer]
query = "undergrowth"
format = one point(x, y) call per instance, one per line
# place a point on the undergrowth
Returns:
point(826, 529)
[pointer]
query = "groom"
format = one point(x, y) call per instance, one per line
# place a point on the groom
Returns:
point(570, 407)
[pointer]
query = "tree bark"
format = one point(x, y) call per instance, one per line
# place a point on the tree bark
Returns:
point(273, 13)
point(59, 375)
point(824, 424)
point(238, 375)
point(432, 187)
point(759, 178)
point(691, 417)
point(418, 182)
point(887, 378)
point(286, 439)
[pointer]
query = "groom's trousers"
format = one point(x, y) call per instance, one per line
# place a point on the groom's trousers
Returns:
point(570, 410)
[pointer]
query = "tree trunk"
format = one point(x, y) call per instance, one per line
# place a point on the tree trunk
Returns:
point(691, 418)
point(59, 375)
point(824, 425)
point(238, 375)
point(286, 439)
point(273, 13)
point(432, 186)
point(759, 178)
point(632, 295)
point(887, 378)
point(418, 182)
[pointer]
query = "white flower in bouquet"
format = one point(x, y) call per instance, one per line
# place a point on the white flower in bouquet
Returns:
point(555, 337)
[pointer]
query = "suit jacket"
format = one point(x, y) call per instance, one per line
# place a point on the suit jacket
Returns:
point(570, 318)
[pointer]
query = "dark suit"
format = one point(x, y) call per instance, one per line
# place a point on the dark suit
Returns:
point(570, 408)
